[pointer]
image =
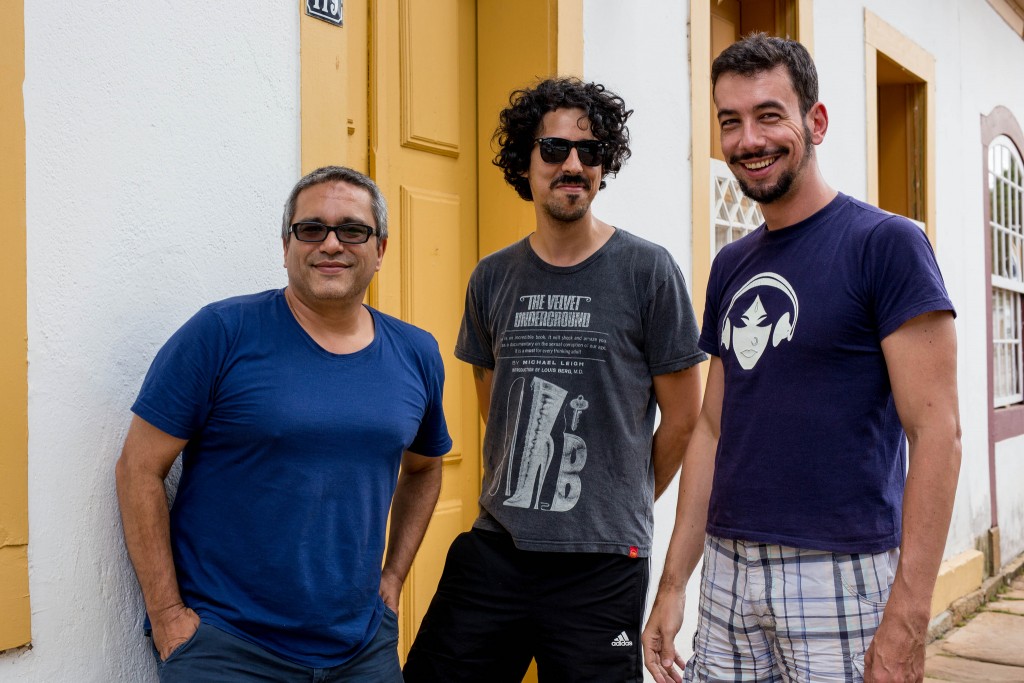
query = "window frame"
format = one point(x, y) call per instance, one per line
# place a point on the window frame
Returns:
point(1004, 422)
point(880, 38)
point(1008, 240)
point(1007, 422)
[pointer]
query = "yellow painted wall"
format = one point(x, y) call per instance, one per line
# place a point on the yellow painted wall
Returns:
point(333, 82)
point(14, 600)
point(517, 45)
point(957, 577)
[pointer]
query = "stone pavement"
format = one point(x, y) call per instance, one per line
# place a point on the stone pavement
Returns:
point(987, 647)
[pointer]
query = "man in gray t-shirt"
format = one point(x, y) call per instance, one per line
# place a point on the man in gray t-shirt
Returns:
point(576, 334)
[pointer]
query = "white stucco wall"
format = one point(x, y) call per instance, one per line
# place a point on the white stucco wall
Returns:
point(161, 143)
point(978, 61)
point(992, 73)
point(1010, 466)
point(644, 57)
point(972, 47)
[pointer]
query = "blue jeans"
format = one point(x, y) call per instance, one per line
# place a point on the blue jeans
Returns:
point(213, 656)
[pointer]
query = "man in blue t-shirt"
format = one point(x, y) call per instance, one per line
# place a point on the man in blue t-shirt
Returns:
point(833, 346)
point(303, 417)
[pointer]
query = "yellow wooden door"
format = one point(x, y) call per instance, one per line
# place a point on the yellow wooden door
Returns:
point(395, 93)
point(423, 154)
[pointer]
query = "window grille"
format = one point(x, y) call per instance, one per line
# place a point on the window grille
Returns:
point(1006, 197)
point(733, 214)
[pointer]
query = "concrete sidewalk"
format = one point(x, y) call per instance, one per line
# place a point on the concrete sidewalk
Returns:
point(987, 647)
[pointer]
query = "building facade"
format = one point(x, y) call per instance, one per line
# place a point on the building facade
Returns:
point(147, 151)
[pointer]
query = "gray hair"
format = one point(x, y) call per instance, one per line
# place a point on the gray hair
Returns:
point(333, 174)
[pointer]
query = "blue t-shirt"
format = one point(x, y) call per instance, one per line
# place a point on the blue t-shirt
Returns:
point(812, 452)
point(293, 454)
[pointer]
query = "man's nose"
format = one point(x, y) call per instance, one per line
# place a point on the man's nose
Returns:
point(331, 244)
point(572, 163)
point(752, 137)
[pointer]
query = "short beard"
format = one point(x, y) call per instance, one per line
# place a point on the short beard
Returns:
point(568, 214)
point(578, 206)
point(767, 195)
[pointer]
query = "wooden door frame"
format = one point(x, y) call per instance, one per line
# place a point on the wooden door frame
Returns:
point(15, 626)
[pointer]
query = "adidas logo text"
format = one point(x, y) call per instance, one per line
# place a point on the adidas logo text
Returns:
point(622, 640)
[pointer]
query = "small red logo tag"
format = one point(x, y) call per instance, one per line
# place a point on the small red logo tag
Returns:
point(634, 552)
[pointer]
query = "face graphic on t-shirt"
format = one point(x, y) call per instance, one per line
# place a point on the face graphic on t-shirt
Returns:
point(750, 340)
point(763, 312)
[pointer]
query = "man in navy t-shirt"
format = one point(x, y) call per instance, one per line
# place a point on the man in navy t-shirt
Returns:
point(303, 417)
point(833, 346)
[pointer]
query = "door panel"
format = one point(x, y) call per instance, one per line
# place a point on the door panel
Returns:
point(423, 155)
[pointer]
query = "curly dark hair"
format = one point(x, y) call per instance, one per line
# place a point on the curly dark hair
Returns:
point(520, 121)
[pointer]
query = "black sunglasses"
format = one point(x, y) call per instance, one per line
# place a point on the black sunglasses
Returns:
point(556, 150)
point(348, 233)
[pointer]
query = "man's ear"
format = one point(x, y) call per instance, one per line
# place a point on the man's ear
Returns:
point(382, 245)
point(284, 247)
point(817, 122)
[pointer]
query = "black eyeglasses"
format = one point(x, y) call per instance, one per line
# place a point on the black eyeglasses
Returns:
point(556, 150)
point(348, 233)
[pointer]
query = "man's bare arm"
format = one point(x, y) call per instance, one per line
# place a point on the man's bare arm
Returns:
point(687, 543)
point(678, 396)
point(482, 378)
point(415, 497)
point(921, 357)
point(145, 460)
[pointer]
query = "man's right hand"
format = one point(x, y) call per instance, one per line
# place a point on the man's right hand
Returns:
point(172, 628)
point(658, 639)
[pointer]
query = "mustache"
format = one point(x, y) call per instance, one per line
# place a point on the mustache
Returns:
point(740, 158)
point(571, 179)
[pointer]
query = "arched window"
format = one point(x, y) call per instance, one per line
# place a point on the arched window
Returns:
point(1006, 225)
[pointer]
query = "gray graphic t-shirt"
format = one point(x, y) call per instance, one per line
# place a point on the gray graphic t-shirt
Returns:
point(567, 449)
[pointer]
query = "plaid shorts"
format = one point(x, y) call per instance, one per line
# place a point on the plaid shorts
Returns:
point(775, 613)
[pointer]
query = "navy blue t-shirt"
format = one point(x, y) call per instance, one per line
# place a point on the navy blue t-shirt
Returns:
point(293, 453)
point(812, 452)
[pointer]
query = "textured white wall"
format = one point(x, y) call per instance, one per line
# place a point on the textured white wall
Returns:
point(991, 72)
point(643, 55)
point(1010, 466)
point(162, 139)
point(978, 62)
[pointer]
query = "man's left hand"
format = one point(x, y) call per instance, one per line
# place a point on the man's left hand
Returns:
point(390, 591)
point(897, 652)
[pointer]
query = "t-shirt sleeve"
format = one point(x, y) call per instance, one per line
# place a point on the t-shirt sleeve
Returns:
point(474, 344)
point(671, 341)
point(709, 330)
point(433, 439)
point(177, 393)
point(902, 274)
